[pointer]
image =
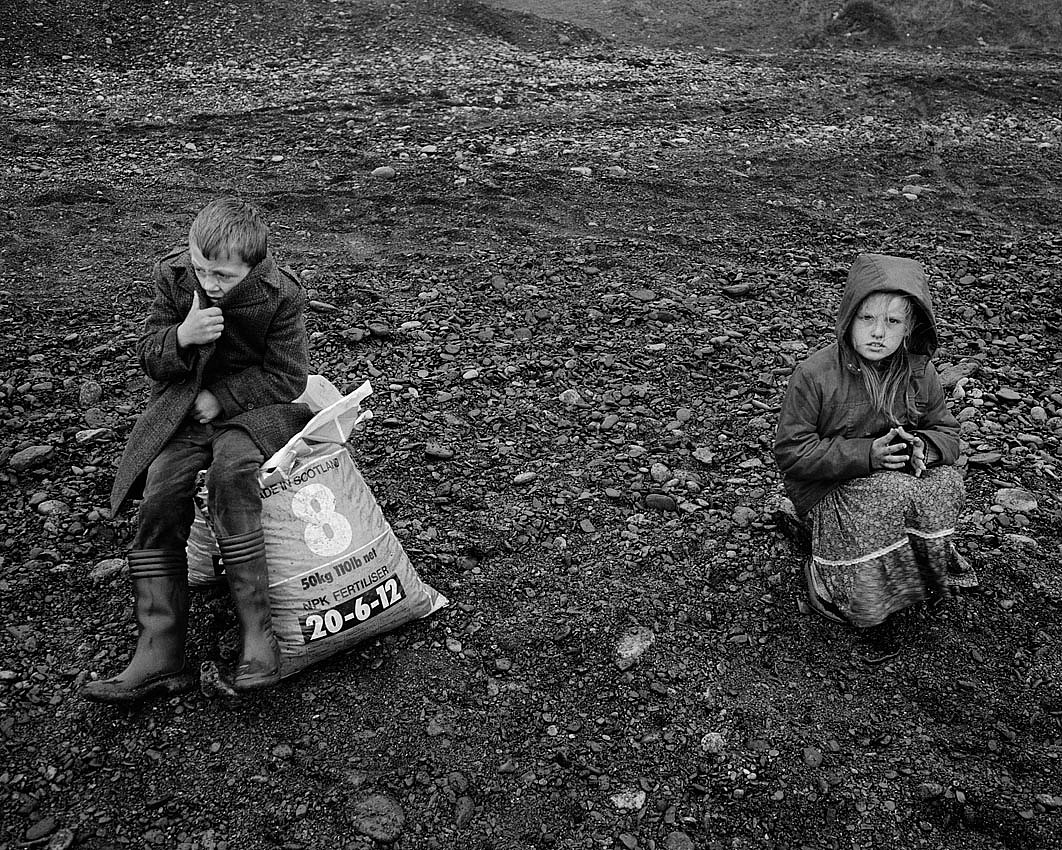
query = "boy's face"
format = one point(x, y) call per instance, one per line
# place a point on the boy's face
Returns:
point(879, 325)
point(217, 277)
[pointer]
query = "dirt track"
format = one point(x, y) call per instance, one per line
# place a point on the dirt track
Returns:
point(665, 233)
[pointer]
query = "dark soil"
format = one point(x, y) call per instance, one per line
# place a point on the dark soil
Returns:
point(665, 233)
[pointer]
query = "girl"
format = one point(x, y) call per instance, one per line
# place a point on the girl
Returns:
point(866, 446)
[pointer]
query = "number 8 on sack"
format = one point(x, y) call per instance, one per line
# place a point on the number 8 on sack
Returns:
point(327, 532)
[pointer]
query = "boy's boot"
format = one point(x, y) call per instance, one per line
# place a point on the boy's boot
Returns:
point(160, 592)
point(245, 564)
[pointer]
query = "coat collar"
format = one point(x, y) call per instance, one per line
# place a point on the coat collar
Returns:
point(248, 292)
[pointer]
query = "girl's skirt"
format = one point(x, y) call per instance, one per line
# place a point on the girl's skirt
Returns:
point(882, 543)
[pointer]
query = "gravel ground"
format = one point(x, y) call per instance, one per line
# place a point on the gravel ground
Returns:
point(588, 277)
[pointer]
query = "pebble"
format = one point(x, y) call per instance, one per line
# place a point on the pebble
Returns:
point(659, 472)
point(31, 457)
point(384, 172)
point(582, 171)
point(570, 397)
point(678, 841)
point(630, 800)
point(90, 393)
point(661, 502)
point(713, 743)
point(45, 826)
point(380, 818)
point(812, 757)
point(1008, 395)
point(1022, 542)
point(929, 790)
point(644, 295)
point(322, 307)
point(986, 458)
point(464, 808)
point(525, 477)
point(1015, 499)
point(94, 417)
point(951, 375)
point(107, 568)
point(93, 435)
point(436, 451)
point(53, 507)
point(632, 645)
point(705, 456)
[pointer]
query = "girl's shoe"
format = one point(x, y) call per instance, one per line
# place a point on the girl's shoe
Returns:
point(817, 598)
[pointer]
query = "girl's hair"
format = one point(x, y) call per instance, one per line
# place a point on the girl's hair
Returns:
point(229, 226)
point(885, 384)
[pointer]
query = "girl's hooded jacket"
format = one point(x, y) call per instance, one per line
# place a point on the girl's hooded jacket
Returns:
point(827, 424)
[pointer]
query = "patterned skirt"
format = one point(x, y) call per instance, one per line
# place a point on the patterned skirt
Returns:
point(882, 543)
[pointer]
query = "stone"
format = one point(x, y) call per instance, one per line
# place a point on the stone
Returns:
point(713, 744)
point(644, 295)
point(525, 477)
point(1016, 500)
point(812, 757)
point(678, 840)
point(436, 451)
point(45, 826)
point(107, 568)
point(31, 457)
point(89, 394)
point(952, 374)
point(986, 458)
point(1022, 541)
point(53, 507)
point(659, 472)
point(705, 456)
point(380, 818)
point(629, 800)
point(464, 808)
point(384, 172)
point(1008, 395)
point(570, 397)
point(632, 645)
point(93, 435)
point(661, 502)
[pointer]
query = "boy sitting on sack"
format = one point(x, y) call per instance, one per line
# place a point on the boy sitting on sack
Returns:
point(225, 347)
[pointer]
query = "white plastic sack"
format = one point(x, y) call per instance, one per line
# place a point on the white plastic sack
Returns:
point(337, 573)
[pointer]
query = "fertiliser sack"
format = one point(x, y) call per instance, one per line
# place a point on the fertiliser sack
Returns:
point(204, 560)
point(337, 573)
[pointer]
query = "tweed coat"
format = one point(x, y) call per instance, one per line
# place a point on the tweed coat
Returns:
point(256, 367)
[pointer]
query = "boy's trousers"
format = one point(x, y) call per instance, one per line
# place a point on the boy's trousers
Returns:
point(234, 503)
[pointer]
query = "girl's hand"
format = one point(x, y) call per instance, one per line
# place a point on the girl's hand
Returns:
point(918, 451)
point(890, 451)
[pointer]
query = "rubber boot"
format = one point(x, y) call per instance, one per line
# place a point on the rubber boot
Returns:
point(245, 565)
point(160, 592)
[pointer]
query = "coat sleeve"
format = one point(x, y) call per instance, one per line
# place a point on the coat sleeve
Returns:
point(937, 425)
point(160, 356)
point(281, 376)
point(804, 454)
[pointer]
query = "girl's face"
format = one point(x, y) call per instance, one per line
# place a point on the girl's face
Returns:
point(880, 324)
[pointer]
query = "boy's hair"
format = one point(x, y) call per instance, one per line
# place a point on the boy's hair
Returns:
point(885, 385)
point(229, 226)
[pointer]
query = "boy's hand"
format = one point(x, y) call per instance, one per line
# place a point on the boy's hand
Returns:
point(886, 454)
point(206, 408)
point(200, 326)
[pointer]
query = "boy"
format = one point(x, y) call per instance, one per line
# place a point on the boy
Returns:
point(225, 347)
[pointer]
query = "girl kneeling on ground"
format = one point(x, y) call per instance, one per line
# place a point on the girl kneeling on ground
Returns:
point(867, 448)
